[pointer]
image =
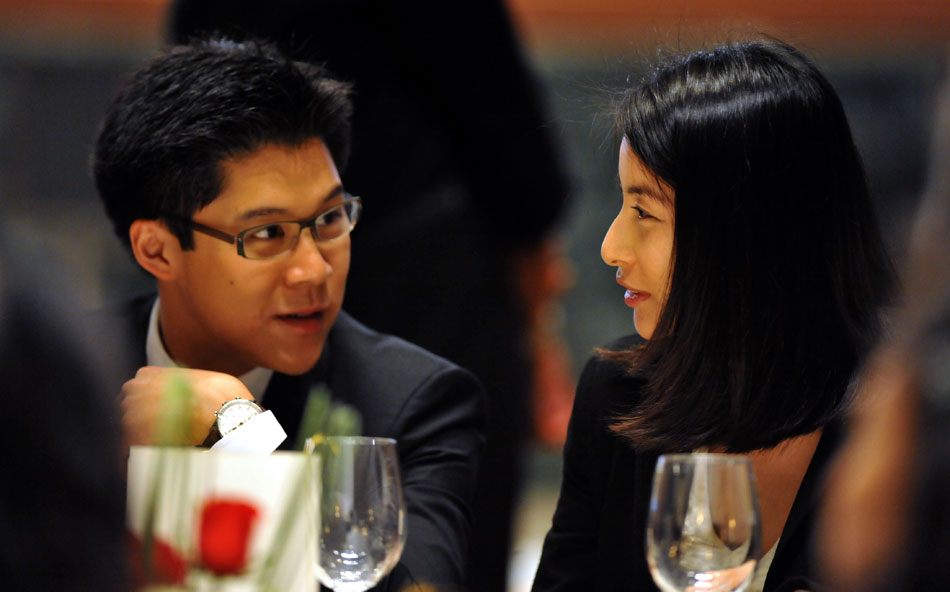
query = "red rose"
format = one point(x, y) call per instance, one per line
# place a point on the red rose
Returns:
point(166, 565)
point(225, 533)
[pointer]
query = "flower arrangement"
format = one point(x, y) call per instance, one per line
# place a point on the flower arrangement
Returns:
point(197, 525)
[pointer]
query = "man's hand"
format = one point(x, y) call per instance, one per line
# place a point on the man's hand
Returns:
point(142, 401)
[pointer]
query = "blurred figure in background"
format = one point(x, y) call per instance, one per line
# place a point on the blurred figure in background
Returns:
point(62, 495)
point(888, 513)
point(452, 155)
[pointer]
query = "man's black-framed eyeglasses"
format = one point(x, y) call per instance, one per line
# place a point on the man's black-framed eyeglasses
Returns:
point(267, 241)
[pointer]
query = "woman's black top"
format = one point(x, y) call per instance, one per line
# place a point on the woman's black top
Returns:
point(598, 537)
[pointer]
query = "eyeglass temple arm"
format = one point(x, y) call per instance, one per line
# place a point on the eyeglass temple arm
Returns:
point(230, 238)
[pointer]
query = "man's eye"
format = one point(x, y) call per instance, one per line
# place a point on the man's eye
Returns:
point(331, 217)
point(270, 232)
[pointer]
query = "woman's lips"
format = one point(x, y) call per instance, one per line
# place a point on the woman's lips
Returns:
point(633, 298)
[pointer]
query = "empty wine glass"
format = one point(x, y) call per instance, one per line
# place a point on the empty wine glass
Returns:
point(362, 514)
point(703, 530)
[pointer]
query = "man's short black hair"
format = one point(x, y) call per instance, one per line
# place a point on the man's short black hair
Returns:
point(177, 119)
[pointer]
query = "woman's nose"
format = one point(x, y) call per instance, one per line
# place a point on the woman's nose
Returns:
point(612, 250)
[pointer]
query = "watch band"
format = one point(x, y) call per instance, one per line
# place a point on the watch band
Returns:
point(214, 434)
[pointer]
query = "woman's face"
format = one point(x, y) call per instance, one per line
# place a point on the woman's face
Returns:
point(639, 242)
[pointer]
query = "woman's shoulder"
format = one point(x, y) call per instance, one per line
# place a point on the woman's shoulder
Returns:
point(607, 385)
point(605, 366)
point(625, 343)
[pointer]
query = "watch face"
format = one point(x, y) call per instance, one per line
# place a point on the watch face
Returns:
point(234, 413)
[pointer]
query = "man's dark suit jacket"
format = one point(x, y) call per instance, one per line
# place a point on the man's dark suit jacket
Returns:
point(434, 410)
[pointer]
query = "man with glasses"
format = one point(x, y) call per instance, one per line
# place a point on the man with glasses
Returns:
point(218, 167)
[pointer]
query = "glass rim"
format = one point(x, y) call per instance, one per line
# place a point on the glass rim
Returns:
point(684, 457)
point(373, 440)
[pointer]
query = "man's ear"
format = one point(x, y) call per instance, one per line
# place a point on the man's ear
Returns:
point(155, 248)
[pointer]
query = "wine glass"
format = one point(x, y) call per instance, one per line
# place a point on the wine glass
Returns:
point(703, 530)
point(362, 514)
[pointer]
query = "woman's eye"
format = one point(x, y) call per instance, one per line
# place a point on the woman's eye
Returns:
point(270, 232)
point(641, 213)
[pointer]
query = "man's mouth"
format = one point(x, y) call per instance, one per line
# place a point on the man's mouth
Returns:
point(310, 315)
point(305, 322)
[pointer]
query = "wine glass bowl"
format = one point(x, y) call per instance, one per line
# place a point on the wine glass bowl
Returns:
point(362, 513)
point(703, 529)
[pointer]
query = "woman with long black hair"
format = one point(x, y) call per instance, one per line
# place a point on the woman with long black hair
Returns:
point(749, 251)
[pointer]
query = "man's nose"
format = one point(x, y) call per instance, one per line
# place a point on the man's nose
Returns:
point(307, 263)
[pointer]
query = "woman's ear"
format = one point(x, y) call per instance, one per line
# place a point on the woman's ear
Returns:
point(155, 248)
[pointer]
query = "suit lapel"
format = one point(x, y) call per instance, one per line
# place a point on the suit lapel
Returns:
point(286, 396)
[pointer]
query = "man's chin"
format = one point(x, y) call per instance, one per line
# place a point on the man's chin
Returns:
point(295, 368)
point(295, 363)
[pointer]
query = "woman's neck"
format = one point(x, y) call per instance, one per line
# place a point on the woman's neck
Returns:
point(779, 472)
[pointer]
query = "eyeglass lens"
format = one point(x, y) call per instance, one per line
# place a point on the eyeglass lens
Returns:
point(270, 240)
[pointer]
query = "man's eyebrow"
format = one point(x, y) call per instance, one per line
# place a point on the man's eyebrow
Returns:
point(272, 211)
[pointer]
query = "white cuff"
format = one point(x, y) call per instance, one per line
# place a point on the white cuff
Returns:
point(259, 435)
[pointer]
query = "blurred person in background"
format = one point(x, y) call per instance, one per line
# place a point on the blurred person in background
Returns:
point(885, 523)
point(452, 151)
point(62, 495)
point(748, 248)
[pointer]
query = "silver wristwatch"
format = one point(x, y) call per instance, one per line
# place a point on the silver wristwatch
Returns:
point(230, 416)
